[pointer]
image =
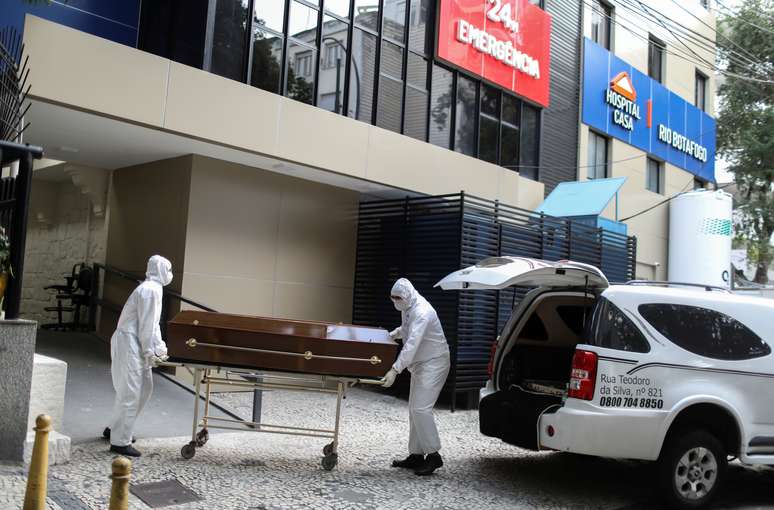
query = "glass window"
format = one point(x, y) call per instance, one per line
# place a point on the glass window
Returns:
point(442, 93)
point(654, 176)
point(361, 81)
point(489, 124)
point(509, 145)
point(303, 23)
point(701, 91)
point(388, 113)
point(300, 81)
point(529, 149)
point(415, 116)
point(394, 25)
point(269, 14)
point(333, 64)
point(266, 60)
point(610, 328)
point(367, 14)
point(597, 162)
point(656, 59)
point(229, 38)
point(704, 332)
point(600, 23)
point(338, 7)
point(174, 29)
point(465, 116)
point(419, 22)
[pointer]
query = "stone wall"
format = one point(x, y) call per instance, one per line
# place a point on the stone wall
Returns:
point(62, 231)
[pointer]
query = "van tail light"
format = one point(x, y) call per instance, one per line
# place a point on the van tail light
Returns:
point(583, 376)
point(490, 365)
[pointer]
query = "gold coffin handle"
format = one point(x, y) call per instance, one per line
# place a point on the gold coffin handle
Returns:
point(307, 355)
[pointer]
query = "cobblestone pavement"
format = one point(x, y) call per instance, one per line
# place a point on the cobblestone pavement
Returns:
point(266, 471)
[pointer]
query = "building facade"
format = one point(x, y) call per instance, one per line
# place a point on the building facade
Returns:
point(648, 111)
point(237, 137)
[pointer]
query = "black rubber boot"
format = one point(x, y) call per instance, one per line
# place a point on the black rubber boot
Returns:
point(432, 462)
point(413, 461)
point(129, 450)
point(106, 435)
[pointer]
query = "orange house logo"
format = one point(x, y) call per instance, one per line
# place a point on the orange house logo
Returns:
point(623, 98)
point(622, 84)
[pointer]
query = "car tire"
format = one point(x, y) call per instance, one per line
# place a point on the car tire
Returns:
point(691, 469)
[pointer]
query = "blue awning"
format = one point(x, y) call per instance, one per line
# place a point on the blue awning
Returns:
point(581, 198)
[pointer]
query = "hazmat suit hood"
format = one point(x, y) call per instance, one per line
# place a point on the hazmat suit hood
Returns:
point(159, 270)
point(406, 291)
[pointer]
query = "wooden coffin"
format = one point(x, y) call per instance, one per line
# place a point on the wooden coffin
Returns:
point(280, 344)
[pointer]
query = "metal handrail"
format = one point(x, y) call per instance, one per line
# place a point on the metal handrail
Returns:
point(136, 279)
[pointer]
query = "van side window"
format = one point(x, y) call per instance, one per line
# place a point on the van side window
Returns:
point(612, 329)
point(704, 332)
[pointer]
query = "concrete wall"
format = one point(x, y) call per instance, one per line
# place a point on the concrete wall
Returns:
point(62, 231)
point(263, 244)
point(148, 210)
point(132, 86)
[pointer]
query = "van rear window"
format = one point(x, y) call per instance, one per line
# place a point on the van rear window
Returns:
point(704, 332)
point(612, 329)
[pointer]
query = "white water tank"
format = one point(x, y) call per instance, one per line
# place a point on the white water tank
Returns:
point(700, 233)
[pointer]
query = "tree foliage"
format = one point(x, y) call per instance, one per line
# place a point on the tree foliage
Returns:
point(746, 123)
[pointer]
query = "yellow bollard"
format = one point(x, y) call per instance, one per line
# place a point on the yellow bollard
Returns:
point(119, 492)
point(35, 497)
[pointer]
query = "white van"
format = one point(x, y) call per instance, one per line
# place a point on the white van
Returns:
point(663, 372)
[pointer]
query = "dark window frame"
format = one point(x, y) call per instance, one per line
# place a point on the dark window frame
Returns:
point(638, 343)
point(605, 11)
point(726, 332)
point(656, 53)
point(649, 161)
point(701, 84)
point(593, 167)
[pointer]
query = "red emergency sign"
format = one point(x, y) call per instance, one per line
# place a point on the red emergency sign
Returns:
point(507, 42)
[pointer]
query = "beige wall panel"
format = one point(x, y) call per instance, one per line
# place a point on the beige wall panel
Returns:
point(317, 235)
point(520, 192)
point(320, 138)
point(230, 295)
point(252, 235)
point(402, 161)
point(208, 106)
point(306, 302)
point(88, 72)
point(232, 220)
point(148, 211)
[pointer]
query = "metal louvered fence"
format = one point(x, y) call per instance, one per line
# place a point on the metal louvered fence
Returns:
point(424, 239)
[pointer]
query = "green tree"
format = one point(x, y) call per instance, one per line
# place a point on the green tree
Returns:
point(746, 123)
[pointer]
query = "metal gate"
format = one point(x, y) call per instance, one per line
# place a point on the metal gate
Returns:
point(423, 239)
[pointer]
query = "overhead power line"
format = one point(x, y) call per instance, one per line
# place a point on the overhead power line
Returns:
point(677, 53)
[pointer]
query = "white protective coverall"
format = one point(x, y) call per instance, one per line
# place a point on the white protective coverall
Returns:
point(425, 354)
point(136, 341)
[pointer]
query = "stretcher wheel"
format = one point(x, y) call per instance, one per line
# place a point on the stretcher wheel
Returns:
point(329, 461)
point(202, 437)
point(328, 449)
point(188, 451)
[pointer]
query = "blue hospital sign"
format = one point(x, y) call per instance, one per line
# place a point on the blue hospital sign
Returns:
point(626, 104)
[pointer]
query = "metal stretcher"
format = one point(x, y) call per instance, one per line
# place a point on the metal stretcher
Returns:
point(207, 375)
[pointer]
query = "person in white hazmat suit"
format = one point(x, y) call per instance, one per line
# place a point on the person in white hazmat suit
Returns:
point(136, 346)
point(425, 354)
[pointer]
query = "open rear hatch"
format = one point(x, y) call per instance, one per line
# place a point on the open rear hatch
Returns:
point(532, 361)
point(497, 273)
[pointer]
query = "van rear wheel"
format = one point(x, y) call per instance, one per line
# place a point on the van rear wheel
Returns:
point(692, 468)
